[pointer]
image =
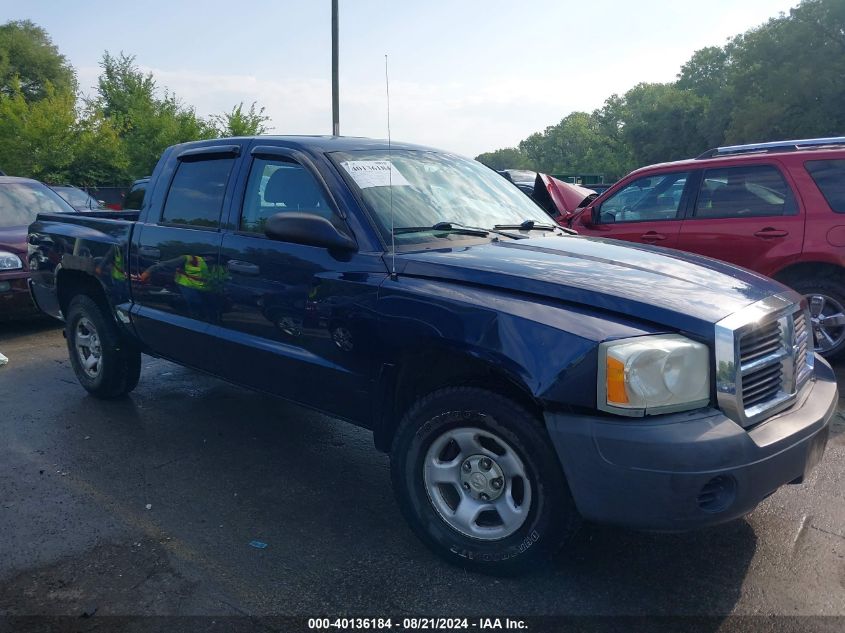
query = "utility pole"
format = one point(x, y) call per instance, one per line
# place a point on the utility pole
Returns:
point(335, 88)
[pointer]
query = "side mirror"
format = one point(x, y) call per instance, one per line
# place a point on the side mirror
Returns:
point(308, 229)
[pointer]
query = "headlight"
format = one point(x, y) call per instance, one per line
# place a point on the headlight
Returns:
point(653, 374)
point(9, 261)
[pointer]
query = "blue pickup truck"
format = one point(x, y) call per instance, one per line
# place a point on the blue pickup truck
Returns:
point(520, 377)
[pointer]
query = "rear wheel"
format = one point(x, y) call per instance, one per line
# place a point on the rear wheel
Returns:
point(105, 365)
point(826, 299)
point(479, 482)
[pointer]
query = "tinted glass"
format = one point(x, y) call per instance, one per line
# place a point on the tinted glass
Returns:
point(744, 192)
point(830, 178)
point(276, 186)
point(196, 194)
point(417, 188)
point(650, 198)
point(135, 198)
point(20, 202)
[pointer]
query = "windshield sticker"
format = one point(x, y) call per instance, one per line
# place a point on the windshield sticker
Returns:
point(374, 173)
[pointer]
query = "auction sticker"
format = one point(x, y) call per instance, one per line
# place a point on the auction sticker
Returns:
point(374, 173)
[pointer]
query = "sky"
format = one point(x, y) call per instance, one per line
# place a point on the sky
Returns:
point(465, 75)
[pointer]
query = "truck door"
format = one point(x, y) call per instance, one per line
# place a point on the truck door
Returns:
point(176, 280)
point(746, 215)
point(299, 319)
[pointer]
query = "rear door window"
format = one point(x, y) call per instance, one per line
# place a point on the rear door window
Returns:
point(196, 194)
point(751, 191)
point(651, 198)
point(829, 176)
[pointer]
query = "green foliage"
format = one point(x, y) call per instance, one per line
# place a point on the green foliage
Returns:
point(240, 123)
point(784, 79)
point(100, 157)
point(507, 158)
point(29, 61)
point(36, 138)
point(145, 122)
point(47, 133)
point(788, 76)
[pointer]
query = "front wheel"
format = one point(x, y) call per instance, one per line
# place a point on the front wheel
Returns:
point(105, 365)
point(826, 299)
point(479, 482)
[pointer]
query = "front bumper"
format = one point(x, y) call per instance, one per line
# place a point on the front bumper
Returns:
point(688, 470)
point(15, 300)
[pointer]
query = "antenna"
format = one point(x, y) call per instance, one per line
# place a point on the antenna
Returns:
point(390, 175)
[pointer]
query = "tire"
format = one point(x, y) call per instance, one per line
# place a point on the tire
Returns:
point(529, 520)
point(118, 366)
point(826, 296)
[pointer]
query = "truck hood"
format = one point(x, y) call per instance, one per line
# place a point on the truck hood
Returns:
point(669, 288)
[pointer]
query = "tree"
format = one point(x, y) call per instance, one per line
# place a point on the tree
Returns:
point(29, 61)
point(784, 79)
point(100, 156)
point(37, 138)
point(788, 76)
point(145, 121)
point(662, 123)
point(507, 158)
point(240, 123)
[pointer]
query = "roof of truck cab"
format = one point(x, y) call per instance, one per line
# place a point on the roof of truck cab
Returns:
point(324, 143)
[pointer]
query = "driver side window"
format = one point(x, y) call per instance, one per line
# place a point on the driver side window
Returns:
point(277, 186)
point(650, 198)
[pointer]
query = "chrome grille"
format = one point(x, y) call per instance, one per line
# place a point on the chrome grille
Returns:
point(761, 352)
point(763, 358)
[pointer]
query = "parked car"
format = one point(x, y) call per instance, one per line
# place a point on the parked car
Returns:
point(558, 198)
point(78, 198)
point(519, 376)
point(135, 197)
point(775, 208)
point(21, 199)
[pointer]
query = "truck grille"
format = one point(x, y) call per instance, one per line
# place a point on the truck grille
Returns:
point(761, 352)
point(763, 358)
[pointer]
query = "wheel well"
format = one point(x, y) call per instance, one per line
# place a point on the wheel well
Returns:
point(423, 373)
point(70, 283)
point(805, 270)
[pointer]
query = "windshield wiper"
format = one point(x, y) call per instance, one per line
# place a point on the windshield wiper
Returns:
point(457, 227)
point(478, 228)
point(442, 227)
point(531, 225)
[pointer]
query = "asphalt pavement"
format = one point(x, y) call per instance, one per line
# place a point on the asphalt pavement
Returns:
point(155, 504)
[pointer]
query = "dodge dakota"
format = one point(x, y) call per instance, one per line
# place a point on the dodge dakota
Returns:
point(521, 377)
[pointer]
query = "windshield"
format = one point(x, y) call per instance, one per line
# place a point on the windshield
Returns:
point(76, 197)
point(430, 188)
point(20, 202)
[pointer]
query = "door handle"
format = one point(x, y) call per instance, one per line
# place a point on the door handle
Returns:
point(652, 236)
point(149, 251)
point(770, 232)
point(243, 268)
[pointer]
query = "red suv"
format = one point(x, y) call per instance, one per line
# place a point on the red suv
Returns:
point(776, 208)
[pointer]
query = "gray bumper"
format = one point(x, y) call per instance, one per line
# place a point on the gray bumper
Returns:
point(689, 470)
